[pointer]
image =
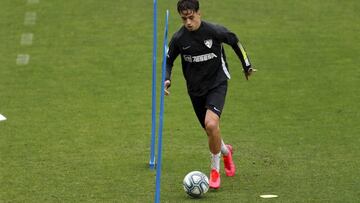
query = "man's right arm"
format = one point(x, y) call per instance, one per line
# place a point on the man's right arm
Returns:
point(172, 53)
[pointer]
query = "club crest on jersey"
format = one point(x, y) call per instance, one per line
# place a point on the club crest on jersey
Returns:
point(208, 43)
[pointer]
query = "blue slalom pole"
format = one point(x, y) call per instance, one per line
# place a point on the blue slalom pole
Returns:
point(161, 116)
point(153, 113)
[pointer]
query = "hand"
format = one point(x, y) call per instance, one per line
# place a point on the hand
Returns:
point(249, 72)
point(167, 85)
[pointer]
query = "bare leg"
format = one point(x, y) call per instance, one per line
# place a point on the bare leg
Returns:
point(213, 131)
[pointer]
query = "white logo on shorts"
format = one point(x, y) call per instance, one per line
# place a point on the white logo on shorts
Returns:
point(216, 109)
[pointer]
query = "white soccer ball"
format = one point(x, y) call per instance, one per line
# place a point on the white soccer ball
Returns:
point(196, 184)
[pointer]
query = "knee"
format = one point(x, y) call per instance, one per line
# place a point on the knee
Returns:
point(211, 126)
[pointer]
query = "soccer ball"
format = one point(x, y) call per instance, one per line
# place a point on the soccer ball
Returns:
point(196, 184)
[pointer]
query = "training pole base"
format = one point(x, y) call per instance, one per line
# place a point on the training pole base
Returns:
point(152, 166)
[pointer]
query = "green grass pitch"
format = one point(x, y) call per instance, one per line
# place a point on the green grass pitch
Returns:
point(79, 114)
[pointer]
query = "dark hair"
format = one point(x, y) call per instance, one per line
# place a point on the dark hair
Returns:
point(184, 5)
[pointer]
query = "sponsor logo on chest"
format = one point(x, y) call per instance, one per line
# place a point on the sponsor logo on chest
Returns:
point(200, 58)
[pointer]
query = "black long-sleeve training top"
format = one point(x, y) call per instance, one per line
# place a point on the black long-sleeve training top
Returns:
point(203, 57)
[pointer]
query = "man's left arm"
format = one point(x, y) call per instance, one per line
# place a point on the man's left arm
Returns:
point(231, 39)
point(242, 55)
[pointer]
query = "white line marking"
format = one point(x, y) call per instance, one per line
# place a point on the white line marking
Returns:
point(22, 59)
point(33, 1)
point(30, 18)
point(268, 196)
point(27, 39)
point(2, 118)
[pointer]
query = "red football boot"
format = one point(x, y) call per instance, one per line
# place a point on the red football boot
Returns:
point(214, 181)
point(228, 162)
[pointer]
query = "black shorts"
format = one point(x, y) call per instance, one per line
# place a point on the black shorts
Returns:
point(214, 100)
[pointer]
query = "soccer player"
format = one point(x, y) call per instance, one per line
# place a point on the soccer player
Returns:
point(204, 66)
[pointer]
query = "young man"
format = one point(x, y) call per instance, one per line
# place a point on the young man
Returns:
point(205, 70)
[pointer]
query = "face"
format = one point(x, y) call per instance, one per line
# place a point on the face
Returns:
point(191, 19)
